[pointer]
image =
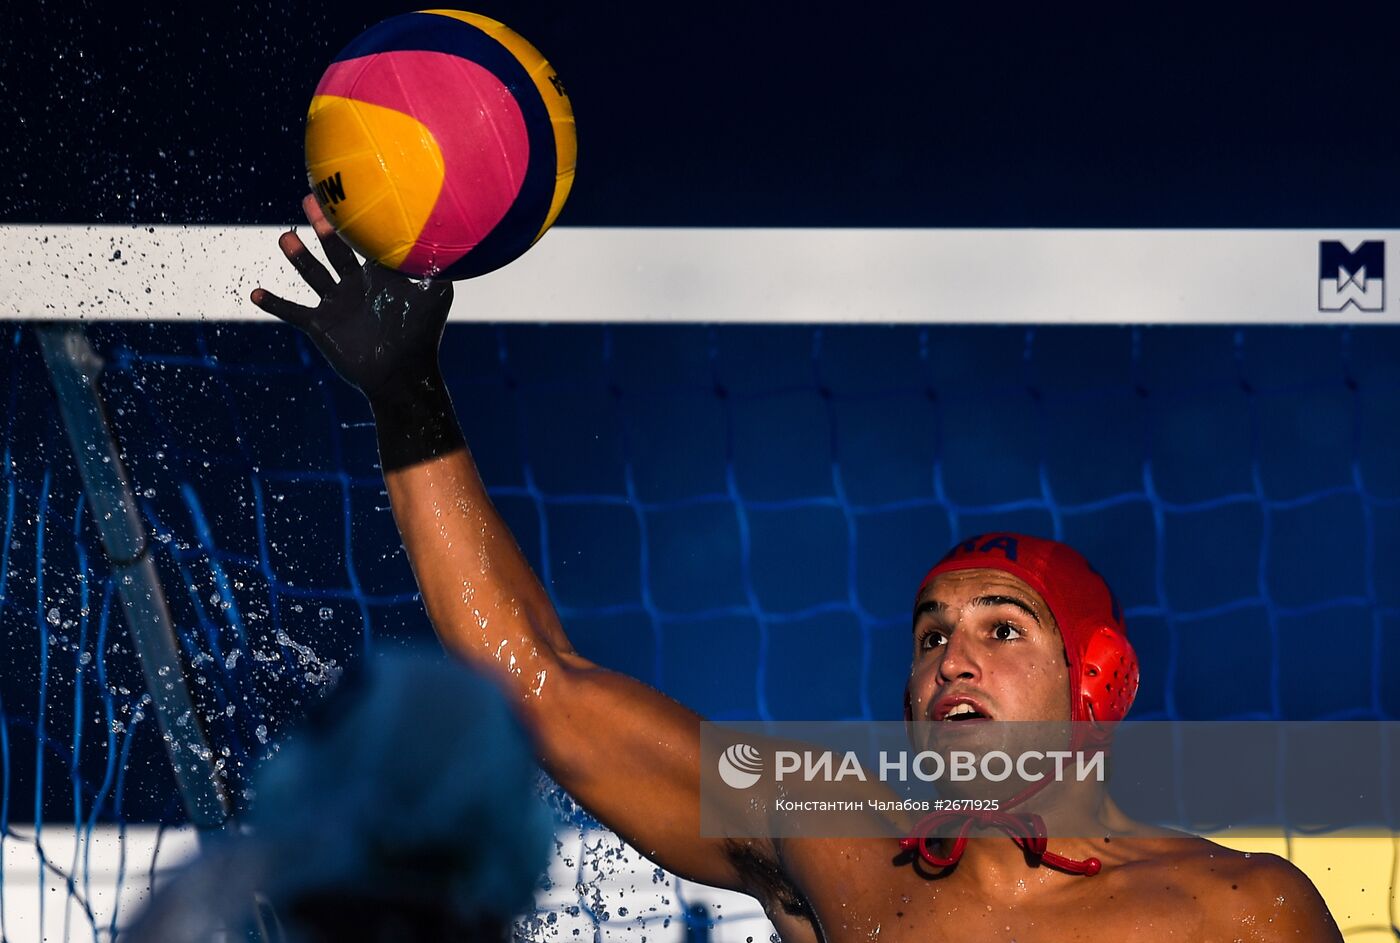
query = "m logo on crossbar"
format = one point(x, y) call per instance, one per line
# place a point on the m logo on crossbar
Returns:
point(1347, 277)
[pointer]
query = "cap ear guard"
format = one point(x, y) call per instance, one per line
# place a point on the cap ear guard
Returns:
point(1108, 676)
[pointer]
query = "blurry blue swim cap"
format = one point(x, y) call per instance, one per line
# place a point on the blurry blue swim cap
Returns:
point(413, 779)
point(405, 807)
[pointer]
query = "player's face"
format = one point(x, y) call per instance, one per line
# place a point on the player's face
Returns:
point(986, 642)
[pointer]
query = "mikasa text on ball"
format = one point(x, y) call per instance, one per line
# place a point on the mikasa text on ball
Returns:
point(441, 144)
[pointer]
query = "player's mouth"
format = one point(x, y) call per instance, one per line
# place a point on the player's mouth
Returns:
point(960, 708)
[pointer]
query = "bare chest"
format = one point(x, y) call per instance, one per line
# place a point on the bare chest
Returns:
point(975, 921)
point(864, 896)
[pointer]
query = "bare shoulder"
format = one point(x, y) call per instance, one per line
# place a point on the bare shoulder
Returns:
point(1249, 896)
point(1277, 899)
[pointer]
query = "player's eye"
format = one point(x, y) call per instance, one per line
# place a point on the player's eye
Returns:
point(931, 640)
point(1006, 632)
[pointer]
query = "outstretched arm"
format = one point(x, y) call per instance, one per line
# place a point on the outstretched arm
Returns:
point(627, 753)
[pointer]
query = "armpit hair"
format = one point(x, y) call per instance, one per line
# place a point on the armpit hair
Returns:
point(765, 880)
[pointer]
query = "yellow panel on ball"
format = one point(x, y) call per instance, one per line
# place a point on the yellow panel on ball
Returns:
point(376, 172)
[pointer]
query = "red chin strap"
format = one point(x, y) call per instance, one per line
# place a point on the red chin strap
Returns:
point(1025, 829)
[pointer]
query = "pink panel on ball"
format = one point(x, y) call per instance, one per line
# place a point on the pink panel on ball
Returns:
point(478, 127)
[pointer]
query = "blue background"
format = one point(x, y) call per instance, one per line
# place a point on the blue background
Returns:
point(772, 113)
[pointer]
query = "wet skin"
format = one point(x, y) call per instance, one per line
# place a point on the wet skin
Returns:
point(631, 755)
point(1152, 888)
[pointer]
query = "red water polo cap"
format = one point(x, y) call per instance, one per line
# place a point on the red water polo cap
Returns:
point(1103, 667)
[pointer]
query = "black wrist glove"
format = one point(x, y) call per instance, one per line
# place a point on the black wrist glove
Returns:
point(380, 330)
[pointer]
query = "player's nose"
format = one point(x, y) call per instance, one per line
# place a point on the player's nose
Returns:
point(960, 659)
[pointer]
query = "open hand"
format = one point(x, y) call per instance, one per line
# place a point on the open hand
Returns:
point(379, 329)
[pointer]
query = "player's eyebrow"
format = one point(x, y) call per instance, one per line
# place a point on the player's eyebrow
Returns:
point(998, 600)
point(929, 607)
point(934, 607)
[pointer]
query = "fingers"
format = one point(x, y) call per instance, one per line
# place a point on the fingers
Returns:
point(341, 256)
point(307, 265)
point(314, 214)
point(293, 314)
